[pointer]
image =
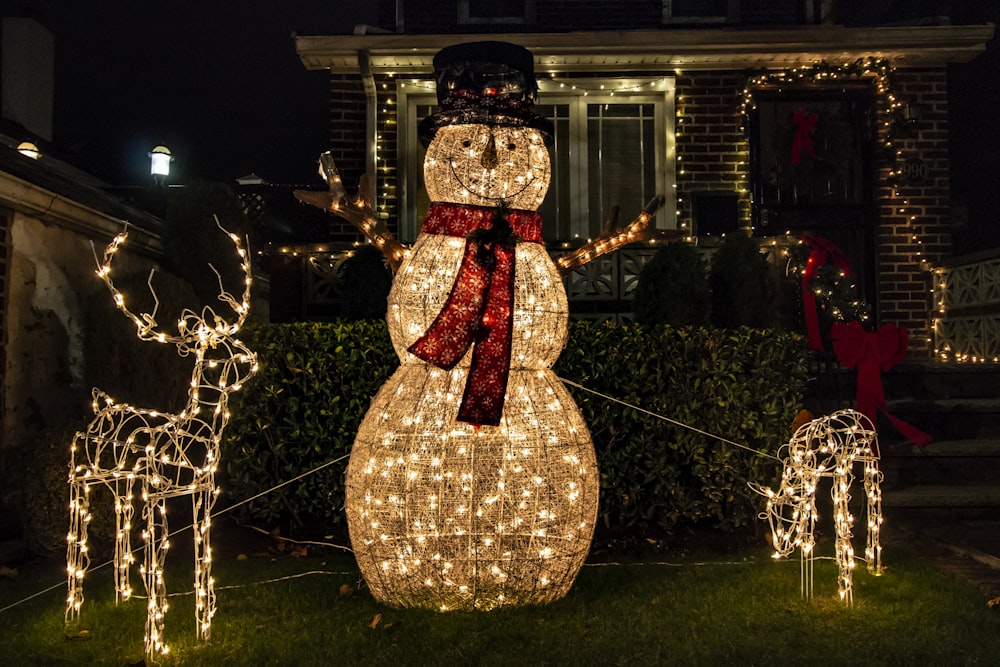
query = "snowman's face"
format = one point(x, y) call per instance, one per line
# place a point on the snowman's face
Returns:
point(484, 166)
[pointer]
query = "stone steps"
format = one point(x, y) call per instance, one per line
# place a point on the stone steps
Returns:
point(953, 480)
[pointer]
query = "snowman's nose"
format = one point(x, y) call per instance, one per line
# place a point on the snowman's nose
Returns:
point(490, 159)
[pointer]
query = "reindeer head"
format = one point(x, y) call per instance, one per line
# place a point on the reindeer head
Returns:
point(221, 358)
point(791, 509)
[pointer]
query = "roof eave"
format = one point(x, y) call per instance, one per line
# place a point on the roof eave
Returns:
point(658, 50)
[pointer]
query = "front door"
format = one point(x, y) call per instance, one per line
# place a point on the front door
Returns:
point(812, 153)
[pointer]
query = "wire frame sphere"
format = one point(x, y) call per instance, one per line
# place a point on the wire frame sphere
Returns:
point(446, 517)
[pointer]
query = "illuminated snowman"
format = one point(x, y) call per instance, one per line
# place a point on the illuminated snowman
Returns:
point(473, 482)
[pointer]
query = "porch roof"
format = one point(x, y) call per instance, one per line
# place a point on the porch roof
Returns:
point(658, 50)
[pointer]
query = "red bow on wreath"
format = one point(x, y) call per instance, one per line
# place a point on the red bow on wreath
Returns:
point(873, 352)
point(804, 126)
point(823, 252)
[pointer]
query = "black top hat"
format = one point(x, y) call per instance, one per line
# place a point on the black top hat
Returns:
point(489, 83)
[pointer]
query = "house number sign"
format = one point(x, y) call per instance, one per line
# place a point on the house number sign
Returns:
point(915, 170)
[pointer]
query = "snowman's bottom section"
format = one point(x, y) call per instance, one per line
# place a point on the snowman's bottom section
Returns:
point(445, 516)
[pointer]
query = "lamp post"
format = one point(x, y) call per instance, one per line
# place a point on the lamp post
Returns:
point(159, 164)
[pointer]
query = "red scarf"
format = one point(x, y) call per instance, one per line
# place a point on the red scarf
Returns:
point(479, 308)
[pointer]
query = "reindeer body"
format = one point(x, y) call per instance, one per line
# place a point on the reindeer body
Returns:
point(168, 455)
point(826, 447)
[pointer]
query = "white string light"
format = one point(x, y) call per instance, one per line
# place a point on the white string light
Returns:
point(826, 447)
point(169, 455)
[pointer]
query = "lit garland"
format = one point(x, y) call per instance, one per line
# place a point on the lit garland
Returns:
point(826, 447)
point(169, 455)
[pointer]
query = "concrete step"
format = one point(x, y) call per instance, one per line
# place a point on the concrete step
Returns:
point(950, 462)
point(942, 502)
point(948, 418)
point(942, 380)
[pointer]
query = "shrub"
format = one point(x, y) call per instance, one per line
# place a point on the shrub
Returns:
point(740, 281)
point(745, 385)
point(672, 288)
point(302, 409)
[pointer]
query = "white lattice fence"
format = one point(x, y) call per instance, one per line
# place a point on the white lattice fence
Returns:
point(967, 311)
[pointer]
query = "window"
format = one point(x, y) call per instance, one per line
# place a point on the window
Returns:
point(700, 11)
point(496, 11)
point(609, 148)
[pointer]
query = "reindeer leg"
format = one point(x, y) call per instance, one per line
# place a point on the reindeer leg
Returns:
point(842, 518)
point(77, 557)
point(156, 548)
point(123, 538)
point(204, 588)
point(873, 492)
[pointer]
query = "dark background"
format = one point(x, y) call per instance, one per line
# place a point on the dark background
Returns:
point(216, 81)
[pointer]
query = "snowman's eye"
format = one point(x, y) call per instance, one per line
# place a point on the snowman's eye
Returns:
point(511, 146)
point(466, 143)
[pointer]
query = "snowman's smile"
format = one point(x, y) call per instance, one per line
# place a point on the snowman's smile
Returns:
point(487, 185)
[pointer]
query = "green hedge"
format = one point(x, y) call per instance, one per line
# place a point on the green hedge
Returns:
point(317, 380)
point(745, 385)
point(303, 409)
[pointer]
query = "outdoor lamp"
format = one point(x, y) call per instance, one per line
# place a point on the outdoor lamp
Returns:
point(29, 149)
point(159, 161)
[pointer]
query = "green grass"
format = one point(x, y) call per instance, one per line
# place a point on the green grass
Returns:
point(717, 610)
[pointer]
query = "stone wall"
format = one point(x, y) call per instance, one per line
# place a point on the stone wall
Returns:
point(50, 270)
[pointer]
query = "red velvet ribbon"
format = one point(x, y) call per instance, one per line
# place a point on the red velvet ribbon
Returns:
point(823, 252)
point(479, 309)
point(804, 125)
point(873, 352)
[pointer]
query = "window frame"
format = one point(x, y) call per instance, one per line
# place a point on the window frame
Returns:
point(464, 18)
point(656, 90)
point(731, 16)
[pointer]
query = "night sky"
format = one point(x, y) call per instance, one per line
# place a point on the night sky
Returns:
point(216, 81)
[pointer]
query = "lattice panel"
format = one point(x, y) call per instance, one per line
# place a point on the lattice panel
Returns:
point(967, 300)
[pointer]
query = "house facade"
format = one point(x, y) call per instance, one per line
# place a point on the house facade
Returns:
point(773, 118)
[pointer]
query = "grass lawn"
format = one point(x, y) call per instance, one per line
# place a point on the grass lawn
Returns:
point(691, 610)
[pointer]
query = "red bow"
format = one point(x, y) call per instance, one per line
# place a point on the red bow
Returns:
point(478, 311)
point(823, 252)
point(873, 352)
point(804, 126)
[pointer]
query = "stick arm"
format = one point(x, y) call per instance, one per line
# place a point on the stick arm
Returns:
point(357, 211)
point(612, 237)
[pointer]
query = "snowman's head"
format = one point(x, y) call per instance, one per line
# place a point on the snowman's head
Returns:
point(487, 165)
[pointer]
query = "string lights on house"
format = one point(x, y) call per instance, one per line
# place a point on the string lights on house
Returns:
point(166, 455)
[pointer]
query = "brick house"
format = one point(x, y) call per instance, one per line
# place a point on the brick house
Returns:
point(697, 100)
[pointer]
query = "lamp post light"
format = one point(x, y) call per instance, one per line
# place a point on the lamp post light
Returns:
point(28, 149)
point(159, 163)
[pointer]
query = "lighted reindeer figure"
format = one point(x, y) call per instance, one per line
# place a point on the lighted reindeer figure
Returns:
point(826, 447)
point(167, 455)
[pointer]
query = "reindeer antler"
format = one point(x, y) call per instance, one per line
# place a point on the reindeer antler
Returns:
point(613, 237)
point(358, 212)
point(146, 323)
